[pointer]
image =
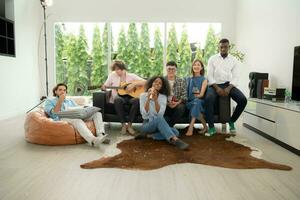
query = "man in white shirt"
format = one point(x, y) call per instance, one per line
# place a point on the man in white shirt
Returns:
point(223, 78)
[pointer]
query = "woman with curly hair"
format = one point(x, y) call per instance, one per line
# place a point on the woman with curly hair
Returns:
point(153, 104)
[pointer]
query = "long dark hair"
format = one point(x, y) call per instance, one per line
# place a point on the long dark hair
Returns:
point(165, 87)
point(56, 87)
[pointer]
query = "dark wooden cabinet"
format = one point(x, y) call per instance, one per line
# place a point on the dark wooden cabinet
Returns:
point(7, 37)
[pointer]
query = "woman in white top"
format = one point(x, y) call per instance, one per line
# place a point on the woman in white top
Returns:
point(152, 106)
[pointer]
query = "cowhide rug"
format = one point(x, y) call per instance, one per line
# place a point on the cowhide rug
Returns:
point(219, 150)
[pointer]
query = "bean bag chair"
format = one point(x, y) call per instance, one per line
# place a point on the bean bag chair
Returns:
point(40, 129)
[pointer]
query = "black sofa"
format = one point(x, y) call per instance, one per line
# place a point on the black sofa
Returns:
point(101, 99)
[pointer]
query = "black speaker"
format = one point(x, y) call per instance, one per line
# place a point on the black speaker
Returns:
point(261, 84)
point(254, 77)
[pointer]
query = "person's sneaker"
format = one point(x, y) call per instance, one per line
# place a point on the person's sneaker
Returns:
point(98, 140)
point(211, 131)
point(106, 141)
point(231, 127)
point(130, 130)
point(180, 144)
point(202, 131)
point(124, 130)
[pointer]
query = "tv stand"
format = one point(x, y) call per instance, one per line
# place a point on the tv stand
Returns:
point(277, 121)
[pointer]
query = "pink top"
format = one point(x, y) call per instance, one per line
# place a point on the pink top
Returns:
point(114, 80)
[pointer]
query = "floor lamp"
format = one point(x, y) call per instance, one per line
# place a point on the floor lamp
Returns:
point(45, 4)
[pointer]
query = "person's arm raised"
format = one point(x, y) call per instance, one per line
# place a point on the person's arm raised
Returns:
point(59, 103)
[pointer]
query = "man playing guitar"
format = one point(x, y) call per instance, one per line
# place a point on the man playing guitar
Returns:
point(118, 76)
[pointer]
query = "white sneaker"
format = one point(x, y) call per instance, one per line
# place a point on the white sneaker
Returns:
point(98, 140)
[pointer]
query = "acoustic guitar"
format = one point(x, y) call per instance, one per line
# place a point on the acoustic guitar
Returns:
point(122, 89)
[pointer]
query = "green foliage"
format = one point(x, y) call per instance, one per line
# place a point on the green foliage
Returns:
point(107, 29)
point(211, 45)
point(122, 49)
point(172, 47)
point(72, 67)
point(77, 62)
point(133, 49)
point(236, 53)
point(82, 53)
point(99, 71)
point(157, 55)
point(198, 55)
point(61, 69)
point(144, 68)
point(77, 68)
point(185, 54)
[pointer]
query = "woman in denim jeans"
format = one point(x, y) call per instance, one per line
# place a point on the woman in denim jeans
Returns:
point(152, 106)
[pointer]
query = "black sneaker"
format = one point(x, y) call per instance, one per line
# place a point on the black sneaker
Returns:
point(180, 144)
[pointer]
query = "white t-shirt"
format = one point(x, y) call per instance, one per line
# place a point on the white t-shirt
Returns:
point(171, 83)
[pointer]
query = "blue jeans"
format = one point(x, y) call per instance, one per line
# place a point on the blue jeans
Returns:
point(159, 129)
point(196, 107)
point(211, 96)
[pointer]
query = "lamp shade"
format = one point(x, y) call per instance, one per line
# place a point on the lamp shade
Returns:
point(46, 3)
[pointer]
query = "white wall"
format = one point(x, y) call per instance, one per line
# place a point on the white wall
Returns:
point(267, 32)
point(19, 76)
point(139, 11)
point(9, 9)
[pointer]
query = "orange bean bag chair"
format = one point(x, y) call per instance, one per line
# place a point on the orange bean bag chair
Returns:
point(39, 129)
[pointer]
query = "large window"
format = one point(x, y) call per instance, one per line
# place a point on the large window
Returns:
point(85, 51)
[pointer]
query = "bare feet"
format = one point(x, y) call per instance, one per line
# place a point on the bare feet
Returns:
point(189, 131)
point(130, 130)
point(124, 129)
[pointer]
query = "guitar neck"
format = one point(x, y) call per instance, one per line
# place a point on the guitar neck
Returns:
point(114, 87)
point(122, 86)
point(107, 87)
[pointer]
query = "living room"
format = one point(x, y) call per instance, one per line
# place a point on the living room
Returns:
point(266, 32)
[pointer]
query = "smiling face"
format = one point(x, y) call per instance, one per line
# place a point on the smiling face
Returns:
point(197, 67)
point(157, 84)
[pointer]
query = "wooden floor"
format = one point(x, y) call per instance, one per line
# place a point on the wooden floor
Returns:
point(29, 171)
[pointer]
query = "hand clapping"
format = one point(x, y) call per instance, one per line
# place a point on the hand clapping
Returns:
point(152, 94)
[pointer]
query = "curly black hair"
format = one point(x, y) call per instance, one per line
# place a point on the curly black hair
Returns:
point(165, 88)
